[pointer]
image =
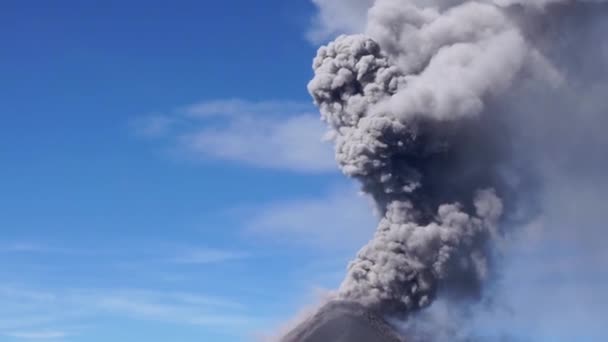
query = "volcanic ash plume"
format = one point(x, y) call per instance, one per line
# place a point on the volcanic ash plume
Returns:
point(413, 111)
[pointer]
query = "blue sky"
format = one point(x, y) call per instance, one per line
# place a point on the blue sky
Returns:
point(162, 176)
point(151, 191)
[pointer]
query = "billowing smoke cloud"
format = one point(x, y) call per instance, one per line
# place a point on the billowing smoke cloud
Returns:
point(442, 110)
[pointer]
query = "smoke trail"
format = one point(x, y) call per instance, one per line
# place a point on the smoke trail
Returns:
point(416, 107)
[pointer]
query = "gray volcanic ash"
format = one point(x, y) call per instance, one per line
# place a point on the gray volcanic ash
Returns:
point(435, 111)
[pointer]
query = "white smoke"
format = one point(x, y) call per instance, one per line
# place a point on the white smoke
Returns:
point(440, 110)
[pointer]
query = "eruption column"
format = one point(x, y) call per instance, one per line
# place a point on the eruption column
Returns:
point(421, 239)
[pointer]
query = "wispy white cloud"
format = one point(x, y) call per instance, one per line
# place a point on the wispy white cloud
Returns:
point(21, 247)
point(173, 299)
point(139, 256)
point(339, 220)
point(179, 308)
point(209, 256)
point(153, 126)
point(283, 135)
point(292, 143)
point(25, 296)
point(34, 314)
point(39, 314)
point(232, 107)
point(25, 247)
point(336, 17)
point(38, 335)
point(170, 313)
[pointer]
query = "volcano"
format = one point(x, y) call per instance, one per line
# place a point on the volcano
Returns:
point(341, 321)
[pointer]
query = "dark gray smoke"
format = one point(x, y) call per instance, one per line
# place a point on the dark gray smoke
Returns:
point(431, 110)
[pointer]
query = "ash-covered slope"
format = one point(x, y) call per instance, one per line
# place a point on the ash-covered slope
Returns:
point(341, 321)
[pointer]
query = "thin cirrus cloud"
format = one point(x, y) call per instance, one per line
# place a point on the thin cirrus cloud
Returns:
point(209, 256)
point(339, 220)
point(38, 335)
point(238, 106)
point(337, 16)
point(281, 135)
point(193, 255)
point(25, 247)
point(183, 308)
point(44, 314)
